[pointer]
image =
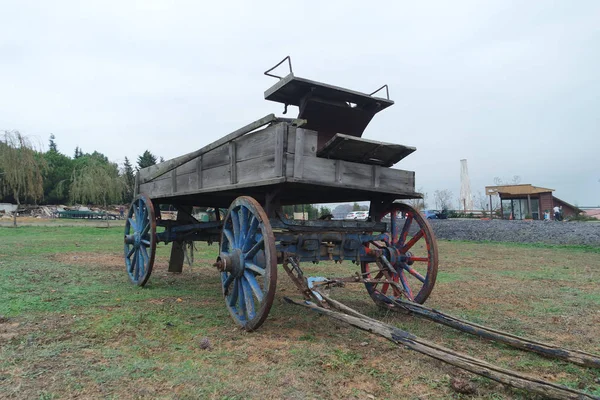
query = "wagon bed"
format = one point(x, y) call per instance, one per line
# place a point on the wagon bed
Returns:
point(280, 156)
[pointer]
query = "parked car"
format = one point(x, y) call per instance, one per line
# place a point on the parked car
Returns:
point(430, 214)
point(358, 215)
point(435, 214)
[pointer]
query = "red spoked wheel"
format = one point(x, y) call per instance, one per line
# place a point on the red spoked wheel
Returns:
point(415, 258)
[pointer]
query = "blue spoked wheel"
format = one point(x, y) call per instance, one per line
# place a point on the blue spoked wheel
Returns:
point(140, 240)
point(248, 263)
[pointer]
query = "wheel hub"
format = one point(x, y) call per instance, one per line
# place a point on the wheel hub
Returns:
point(232, 262)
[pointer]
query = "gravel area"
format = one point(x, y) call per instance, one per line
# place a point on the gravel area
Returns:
point(579, 233)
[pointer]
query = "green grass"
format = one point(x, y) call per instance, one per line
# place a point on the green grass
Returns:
point(77, 328)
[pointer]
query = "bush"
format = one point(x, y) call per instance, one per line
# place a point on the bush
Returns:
point(582, 217)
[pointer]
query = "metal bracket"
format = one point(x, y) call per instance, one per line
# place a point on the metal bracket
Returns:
point(278, 64)
point(387, 91)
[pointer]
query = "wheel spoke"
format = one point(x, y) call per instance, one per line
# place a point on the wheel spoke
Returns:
point(135, 214)
point(412, 241)
point(235, 221)
point(385, 287)
point(227, 283)
point(257, 246)
point(146, 229)
point(241, 299)
point(234, 294)
point(254, 286)
point(394, 226)
point(229, 236)
point(136, 266)
point(147, 256)
point(422, 259)
point(145, 242)
point(406, 287)
point(133, 224)
point(255, 268)
point(243, 220)
point(395, 290)
point(131, 251)
point(405, 229)
point(248, 300)
point(142, 262)
point(251, 233)
point(413, 272)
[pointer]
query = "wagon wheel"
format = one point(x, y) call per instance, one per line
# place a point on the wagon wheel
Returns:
point(416, 258)
point(140, 240)
point(248, 263)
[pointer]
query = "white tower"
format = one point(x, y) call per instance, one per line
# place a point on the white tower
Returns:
point(466, 199)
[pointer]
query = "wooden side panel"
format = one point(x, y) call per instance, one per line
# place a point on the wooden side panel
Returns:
point(256, 144)
point(396, 179)
point(186, 168)
point(356, 174)
point(215, 177)
point(310, 141)
point(256, 169)
point(187, 182)
point(319, 170)
point(216, 157)
point(348, 174)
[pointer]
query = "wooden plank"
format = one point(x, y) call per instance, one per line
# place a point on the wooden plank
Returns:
point(187, 182)
point(319, 170)
point(214, 177)
point(186, 168)
point(216, 157)
point(220, 188)
point(375, 175)
point(339, 168)
point(310, 141)
point(280, 134)
point(157, 188)
point(356, 174)
point(299, 155)
point(155, 171)
point(199, 171)
point(364, 151)
point(396, 179)
point(174, 181)
point(344, 174)
point(257, 169)
point(232, 163)
point(257, 144)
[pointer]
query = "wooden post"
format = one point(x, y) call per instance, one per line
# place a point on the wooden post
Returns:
point(491, 213)
point(177, 254)
point(529, 206)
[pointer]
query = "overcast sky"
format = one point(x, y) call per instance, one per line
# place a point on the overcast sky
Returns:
point(513, 87)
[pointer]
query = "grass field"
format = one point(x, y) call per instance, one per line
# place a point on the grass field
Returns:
point(71, 325)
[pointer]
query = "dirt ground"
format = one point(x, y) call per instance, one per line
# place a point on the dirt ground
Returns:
point(93, 336)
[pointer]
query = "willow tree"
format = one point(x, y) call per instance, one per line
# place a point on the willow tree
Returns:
point(21, 169)
point(97, 182)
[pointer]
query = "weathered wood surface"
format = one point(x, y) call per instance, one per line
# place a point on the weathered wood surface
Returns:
point(364, 151)
point(460, 360)
point(276, 154)
point(545, 349)
point(151, 173)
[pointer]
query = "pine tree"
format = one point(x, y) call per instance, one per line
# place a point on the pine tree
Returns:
point(129, 179)
point(78, 152)
point(52, 143)
point(145, 160)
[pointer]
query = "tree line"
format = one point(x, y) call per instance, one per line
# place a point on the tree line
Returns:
point(29, 175)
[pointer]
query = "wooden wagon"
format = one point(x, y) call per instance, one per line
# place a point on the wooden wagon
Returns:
point(318, 157)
